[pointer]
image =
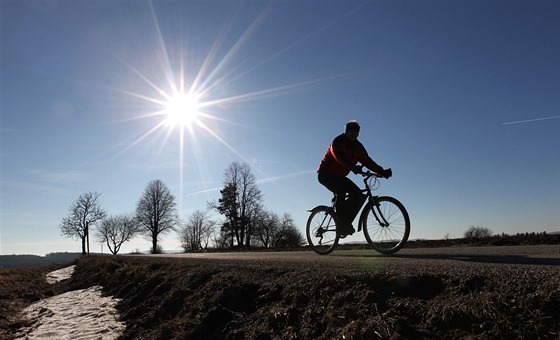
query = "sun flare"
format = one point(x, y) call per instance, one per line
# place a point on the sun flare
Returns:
point(188, 104)
point(181, 110)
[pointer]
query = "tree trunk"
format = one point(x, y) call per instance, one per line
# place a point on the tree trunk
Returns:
point(154, 244)
point(84, 245)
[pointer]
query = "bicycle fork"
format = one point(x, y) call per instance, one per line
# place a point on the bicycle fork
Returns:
point(376, 210)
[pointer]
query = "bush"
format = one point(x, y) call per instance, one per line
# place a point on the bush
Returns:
point(476, 232)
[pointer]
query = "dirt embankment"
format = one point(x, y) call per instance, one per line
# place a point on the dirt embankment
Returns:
point(166, 298)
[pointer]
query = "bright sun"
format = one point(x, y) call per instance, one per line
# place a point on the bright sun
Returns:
point(181, 110)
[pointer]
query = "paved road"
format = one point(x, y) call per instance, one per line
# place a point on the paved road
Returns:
point(544, 255)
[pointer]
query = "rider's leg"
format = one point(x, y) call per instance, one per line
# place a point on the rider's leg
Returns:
point(337, 185)
point(353, 204)
point(341, 185)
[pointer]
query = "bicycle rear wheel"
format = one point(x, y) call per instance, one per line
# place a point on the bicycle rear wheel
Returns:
point(386, 224)
point(321, 230)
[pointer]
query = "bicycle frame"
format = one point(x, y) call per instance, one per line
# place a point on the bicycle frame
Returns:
point(370, 198)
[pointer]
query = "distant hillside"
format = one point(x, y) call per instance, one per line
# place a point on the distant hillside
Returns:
point(503, 239)
point(25, 261)
point(496, 240)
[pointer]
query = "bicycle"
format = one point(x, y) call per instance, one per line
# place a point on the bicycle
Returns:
point(384, 219)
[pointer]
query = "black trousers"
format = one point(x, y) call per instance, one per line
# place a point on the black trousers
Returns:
point(348, 208)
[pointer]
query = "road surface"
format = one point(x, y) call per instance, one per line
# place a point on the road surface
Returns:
point(543, 255)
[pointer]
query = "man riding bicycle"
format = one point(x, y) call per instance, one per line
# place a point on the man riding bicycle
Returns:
point(342, 157)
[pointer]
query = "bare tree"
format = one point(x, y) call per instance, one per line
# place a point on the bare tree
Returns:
point(271, 231)
point(83, 213)
point(220, 239)
point(156, 213)
point(196, 233)
point(240, 198)
point(292, 236)
point(287, 235)
point(266, 226)
point(116, 230)
point(476, 232)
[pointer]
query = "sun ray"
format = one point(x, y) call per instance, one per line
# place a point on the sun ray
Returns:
point(230, 53)
point(163, 49)
point(177, 87)
point(159, 90)
point(267, 92)
point(223, 141)
point(274, 179)
point(300, 41)
point(139, 139)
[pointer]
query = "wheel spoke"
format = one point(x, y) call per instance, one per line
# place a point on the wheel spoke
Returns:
point(321, 231)
point(386, 225)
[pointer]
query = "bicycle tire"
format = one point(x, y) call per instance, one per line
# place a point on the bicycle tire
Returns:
point(386, 224)
point(321, 230)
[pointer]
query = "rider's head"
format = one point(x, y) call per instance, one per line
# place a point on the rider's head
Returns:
point(352, 129)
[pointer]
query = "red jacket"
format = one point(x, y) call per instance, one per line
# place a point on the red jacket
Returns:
point(343, 154)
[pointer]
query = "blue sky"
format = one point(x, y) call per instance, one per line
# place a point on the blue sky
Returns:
point(460, 98)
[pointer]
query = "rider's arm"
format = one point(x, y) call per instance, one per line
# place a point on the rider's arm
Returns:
point(369, 163)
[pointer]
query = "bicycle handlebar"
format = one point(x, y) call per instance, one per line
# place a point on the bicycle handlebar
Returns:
point(368, 174)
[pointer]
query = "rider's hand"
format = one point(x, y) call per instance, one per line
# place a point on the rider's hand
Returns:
point(357, 169)
point(386, 173)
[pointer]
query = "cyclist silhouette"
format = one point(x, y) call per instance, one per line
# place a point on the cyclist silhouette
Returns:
point(342, 157)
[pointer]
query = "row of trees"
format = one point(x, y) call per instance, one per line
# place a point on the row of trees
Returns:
point(246, 222)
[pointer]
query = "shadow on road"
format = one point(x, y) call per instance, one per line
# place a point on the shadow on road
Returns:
point(505, 259)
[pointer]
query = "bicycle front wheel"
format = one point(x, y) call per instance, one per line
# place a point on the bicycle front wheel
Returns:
point(321, 230)
point(386, 224)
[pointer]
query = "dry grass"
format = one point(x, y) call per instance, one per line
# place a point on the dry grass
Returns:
point(190, 299)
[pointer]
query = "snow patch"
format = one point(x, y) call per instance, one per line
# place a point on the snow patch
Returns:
point(81, 314)
point(60, 275)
